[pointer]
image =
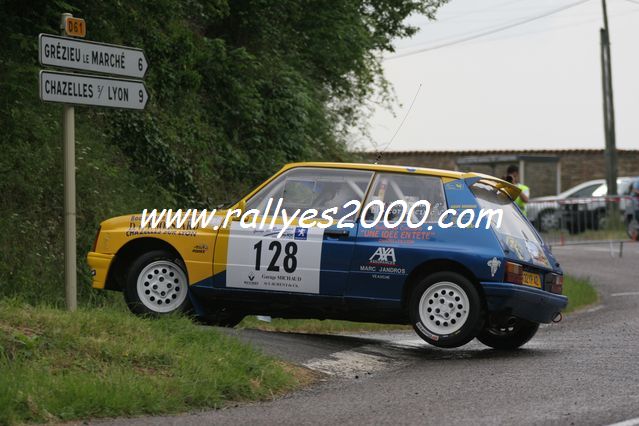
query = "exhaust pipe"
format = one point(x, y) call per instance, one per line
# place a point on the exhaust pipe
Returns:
point(558, 317)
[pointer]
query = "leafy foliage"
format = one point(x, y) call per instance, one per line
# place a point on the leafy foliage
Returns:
point(238, 88)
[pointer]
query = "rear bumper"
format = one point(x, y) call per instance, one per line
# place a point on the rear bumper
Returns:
point(523, 302)
point(99, 264)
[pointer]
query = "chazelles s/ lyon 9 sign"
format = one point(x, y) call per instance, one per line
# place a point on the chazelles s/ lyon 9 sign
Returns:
point(88, 90)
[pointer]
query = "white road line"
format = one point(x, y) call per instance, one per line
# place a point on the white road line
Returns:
point(352, 362)
point(347, 363)
point(627, 293)
point(629, 422)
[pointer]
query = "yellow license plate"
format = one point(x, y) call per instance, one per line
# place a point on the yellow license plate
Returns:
point(533, 280)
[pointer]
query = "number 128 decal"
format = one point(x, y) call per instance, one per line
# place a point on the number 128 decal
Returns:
point(290, 263)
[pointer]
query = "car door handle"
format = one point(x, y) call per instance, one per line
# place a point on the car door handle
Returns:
point(339, 233)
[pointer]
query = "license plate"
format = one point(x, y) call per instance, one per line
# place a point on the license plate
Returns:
point(533, 280)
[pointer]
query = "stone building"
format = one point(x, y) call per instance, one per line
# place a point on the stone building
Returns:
point(545, 171)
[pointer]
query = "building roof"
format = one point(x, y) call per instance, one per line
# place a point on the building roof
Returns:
point(500, 151)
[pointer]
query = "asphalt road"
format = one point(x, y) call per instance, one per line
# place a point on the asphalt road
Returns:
point(584, 370)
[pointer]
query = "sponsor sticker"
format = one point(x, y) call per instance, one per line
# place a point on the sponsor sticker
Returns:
point(428, 334)
point(494, 265)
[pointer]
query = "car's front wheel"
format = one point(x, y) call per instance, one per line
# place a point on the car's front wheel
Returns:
point(446, 309)
point(510, 336)
point(157, 284)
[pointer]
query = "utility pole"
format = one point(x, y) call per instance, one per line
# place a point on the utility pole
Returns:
point(608, 107)
point(68, 143)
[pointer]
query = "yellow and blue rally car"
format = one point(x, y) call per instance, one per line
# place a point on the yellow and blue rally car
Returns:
point(451, 278)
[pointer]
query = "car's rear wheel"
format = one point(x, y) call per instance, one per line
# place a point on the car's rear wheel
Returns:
point(446, 309)
point(547, 220)
point(157, 284)
point(510, 336)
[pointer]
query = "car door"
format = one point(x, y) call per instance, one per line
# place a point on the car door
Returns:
point(384, 256)
point(305, 260)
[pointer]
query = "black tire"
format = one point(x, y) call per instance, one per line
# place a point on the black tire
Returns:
point(545, 225)
point(508, 338)
point(441, 328)
point(174, 281)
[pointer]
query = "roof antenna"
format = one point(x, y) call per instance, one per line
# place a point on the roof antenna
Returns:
point(380, 153)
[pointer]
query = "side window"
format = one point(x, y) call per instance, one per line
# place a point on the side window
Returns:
point(391, 187)
point(589, 191)
point(320, 189)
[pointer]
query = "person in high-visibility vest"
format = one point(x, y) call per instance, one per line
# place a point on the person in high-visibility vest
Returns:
point(513, 172)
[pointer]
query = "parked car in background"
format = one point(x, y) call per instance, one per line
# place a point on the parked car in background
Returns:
point(631, 210)
point(543, 211)
point(580, 214)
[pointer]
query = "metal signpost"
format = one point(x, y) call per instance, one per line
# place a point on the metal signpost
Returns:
point(72, 89)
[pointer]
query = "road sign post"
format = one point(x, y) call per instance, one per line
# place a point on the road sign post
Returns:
point(72, 89)
point(68, 143)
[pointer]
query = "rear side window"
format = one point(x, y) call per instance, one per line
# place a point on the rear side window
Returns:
point(314, 188)
point(589, 191)
point(391, 187)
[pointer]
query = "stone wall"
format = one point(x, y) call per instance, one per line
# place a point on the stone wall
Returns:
point(576, 165)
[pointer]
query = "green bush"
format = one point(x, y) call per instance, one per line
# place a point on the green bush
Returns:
point(237, 89)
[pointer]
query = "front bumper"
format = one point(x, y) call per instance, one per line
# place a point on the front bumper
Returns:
point(99, 264)
point(523, 302)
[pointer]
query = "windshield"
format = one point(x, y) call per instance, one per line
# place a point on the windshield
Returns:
point(513, 223)
point(515, 233)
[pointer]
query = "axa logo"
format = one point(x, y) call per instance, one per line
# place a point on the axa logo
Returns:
point(383, 255)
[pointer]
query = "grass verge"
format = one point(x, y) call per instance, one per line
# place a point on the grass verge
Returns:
point(580, 293)
point(57, 366)
point(318, 326)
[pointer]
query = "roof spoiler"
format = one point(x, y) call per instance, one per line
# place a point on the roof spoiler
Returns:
point(512, 190)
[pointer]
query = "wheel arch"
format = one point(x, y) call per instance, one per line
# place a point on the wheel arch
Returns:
point(128, 253)
point(432, 266)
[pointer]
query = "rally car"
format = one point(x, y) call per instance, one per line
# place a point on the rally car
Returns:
point(451, 282)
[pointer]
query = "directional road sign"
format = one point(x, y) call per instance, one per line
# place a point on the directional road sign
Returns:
point(82, 89)
point(85, 55)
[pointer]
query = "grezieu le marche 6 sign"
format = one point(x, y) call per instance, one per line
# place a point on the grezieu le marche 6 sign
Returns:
point(82, 89)
point(85, 55)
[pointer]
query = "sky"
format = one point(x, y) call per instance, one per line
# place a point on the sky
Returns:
point(534, 86)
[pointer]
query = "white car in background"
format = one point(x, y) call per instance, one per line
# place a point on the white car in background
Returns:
point(543, 211)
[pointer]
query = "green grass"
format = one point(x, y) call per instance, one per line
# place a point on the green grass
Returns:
point(58, 366)
point(317, 326)
point(580, 293)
